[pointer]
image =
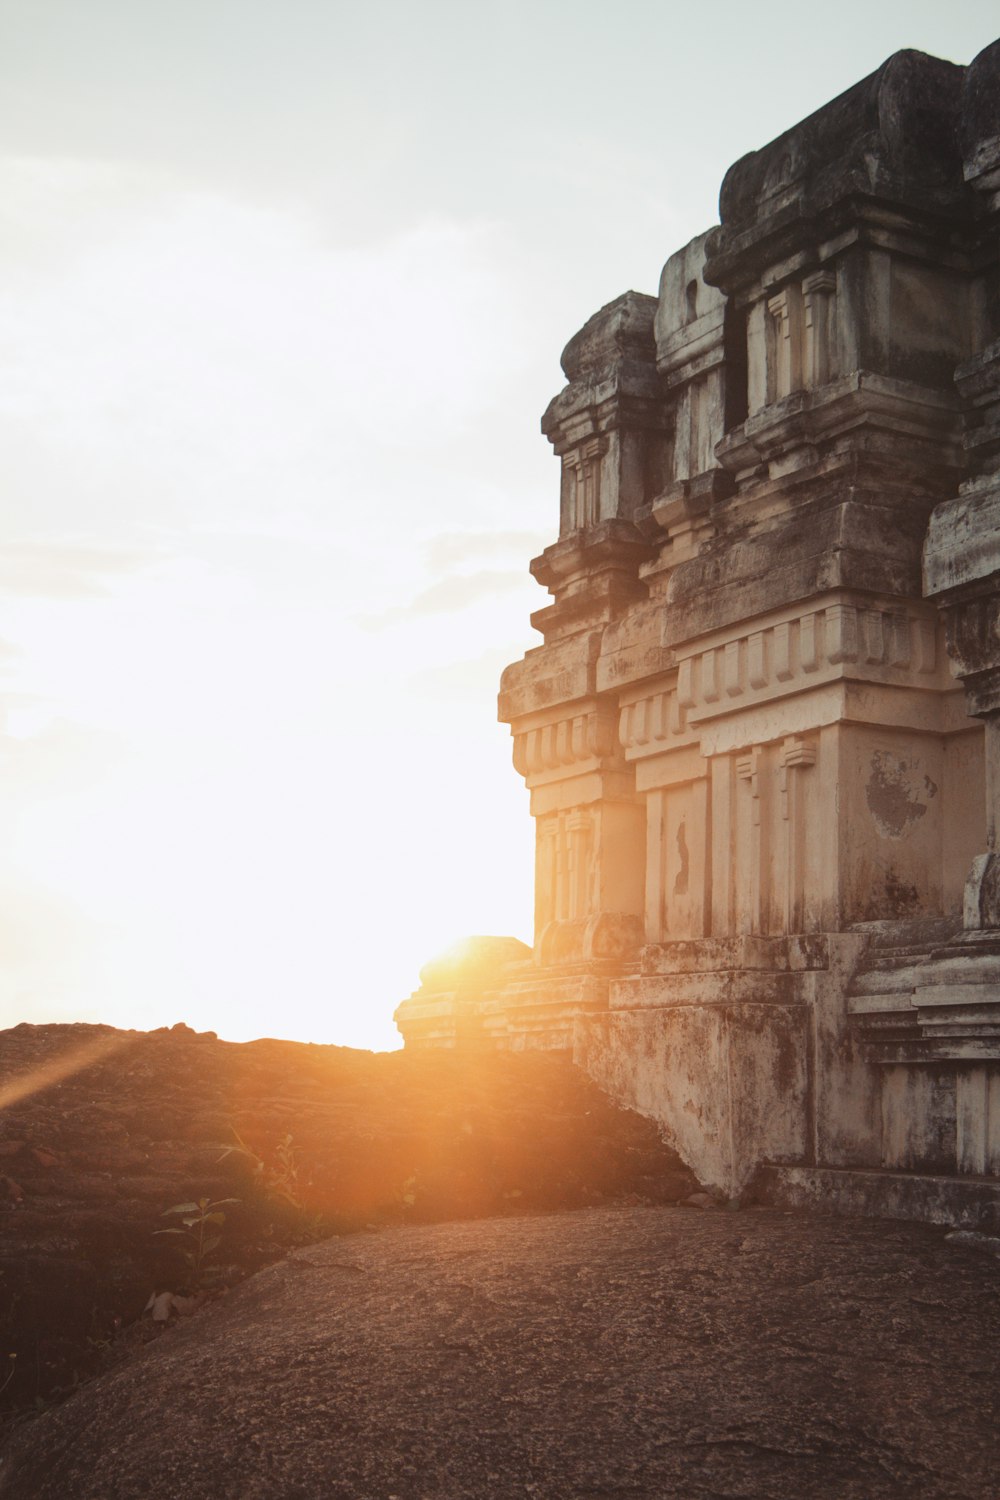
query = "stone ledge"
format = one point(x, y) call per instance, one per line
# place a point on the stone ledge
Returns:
point(879, 1193)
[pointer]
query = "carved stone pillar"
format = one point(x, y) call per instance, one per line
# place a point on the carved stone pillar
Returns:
point(962, 573)
point(956, 992)
point(612, 432)
point(609, 425)
point(962, 550)
point(972, 630)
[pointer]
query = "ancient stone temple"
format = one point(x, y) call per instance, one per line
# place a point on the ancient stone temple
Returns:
point(762, 734)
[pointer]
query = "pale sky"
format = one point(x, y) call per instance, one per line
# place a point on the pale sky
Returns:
point(283, 288)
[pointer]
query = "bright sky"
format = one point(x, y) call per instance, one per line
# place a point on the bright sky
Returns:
point(283, 289)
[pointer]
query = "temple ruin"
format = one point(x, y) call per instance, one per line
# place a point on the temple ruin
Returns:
point(762, 734)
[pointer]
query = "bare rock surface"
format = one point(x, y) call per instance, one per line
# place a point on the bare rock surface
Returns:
point(102, 1130)
point(643, 1352)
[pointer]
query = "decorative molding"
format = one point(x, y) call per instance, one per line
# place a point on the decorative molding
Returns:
point(818, 293)
point(583, 467)
point(565, 871)
point(797, 753)
point(652, 720)
point(791, 651)
point(799, 352)
point(784, 343)
point(574, 740)
point(748, 768)
point(766, 663)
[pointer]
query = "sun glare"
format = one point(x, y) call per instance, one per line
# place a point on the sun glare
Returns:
point(271, 367)
point(58, 1069)
point(245, 743)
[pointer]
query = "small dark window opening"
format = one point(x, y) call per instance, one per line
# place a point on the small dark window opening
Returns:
point(691, 301)
point(657, 457)
point(734, 345)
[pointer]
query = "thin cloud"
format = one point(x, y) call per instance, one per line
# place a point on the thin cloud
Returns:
point(173, 355)
point(476, 676)
point(447, 596)
point(41, 932)
point(54, 570)
point(452, 548)
point(49, 755)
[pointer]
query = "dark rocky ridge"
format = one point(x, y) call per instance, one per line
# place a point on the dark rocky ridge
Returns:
point(127, 1124)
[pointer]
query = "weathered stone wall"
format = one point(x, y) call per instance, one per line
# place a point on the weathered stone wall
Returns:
point(757, 715)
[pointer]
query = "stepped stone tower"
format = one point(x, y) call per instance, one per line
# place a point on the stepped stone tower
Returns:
point(762, 733)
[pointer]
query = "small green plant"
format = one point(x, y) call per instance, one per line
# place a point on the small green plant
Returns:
point(199, 1231)
point(281, 1177)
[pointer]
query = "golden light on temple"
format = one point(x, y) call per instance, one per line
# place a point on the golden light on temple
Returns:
point(276, 333)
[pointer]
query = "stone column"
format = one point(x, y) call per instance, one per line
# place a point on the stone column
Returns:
point(962, 575)
point(962, 550)
point(956, 996)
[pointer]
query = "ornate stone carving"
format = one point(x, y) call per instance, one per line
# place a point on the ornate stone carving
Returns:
point(743, 741)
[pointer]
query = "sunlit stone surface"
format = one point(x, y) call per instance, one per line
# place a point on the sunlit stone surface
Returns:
point(762, 735)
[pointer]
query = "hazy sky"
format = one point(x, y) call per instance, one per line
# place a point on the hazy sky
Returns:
point(283, 288)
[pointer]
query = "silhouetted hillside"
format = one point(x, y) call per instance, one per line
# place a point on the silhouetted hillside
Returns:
point(101, 1131)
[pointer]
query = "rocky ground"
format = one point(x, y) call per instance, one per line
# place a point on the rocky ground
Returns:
point(101, 1131)
point(641, 1352)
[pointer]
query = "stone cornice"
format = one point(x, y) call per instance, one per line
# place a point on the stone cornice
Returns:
point(891, 139)
point(614, 544)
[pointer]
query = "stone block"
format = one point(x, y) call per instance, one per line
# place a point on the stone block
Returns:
point(726, 1084)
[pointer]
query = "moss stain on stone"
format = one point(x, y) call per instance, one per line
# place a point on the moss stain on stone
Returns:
point(896, 793)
